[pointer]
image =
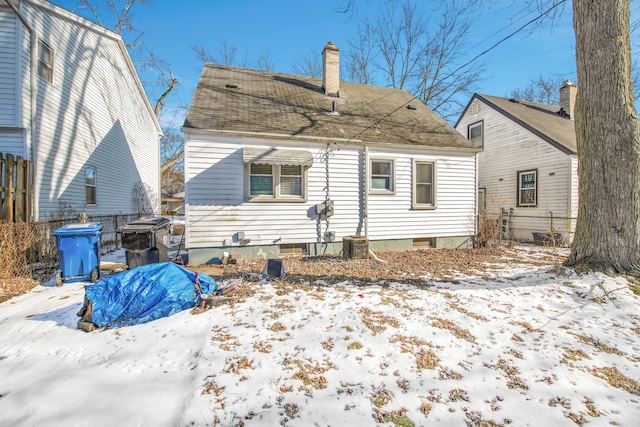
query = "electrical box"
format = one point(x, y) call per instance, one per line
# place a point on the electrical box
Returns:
point(325, 208)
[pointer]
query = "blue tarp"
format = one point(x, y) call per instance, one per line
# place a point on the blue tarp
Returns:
point(144, 294)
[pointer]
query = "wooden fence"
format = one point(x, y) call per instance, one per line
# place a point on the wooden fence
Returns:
point(16, 189)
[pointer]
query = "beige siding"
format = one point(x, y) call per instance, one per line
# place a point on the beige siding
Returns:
point(216, 209)
point(510, 148)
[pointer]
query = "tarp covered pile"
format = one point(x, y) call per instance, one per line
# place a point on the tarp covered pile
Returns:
point(144, 294)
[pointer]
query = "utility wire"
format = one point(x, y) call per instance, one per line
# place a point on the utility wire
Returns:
point(542, 15)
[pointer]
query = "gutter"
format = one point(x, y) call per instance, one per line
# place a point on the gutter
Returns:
point(308, 138)
point(366, 191)
point(32, 125)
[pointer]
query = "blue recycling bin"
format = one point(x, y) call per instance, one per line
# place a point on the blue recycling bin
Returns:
point(79, 252)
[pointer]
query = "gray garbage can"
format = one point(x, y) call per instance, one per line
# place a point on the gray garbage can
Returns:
point(145, 241)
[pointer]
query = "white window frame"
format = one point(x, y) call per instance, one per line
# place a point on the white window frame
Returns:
point(276, 196)
point(414, 185)
point(478, 141)
point(93, 186)
point(42, 64)
point(521, 174)
point(392, 176)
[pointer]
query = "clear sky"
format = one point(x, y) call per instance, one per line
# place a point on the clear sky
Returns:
point(291, 29)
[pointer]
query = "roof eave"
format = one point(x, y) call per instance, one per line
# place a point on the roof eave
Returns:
point(318, 139)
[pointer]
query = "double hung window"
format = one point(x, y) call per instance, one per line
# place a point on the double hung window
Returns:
point(528, 188)
point(45, 61)
point(424, 185)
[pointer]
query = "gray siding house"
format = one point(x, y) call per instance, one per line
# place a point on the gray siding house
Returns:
point(278, 163)
point(72, 103)
point(529, 163)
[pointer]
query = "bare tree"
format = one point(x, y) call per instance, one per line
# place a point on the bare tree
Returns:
point(265, 61)
point(414, 54)
point(308, 65)
point(115, 15)
point(226, 54)
point(172, 152)
point(608, 230)
point(361, 55)
point(444, 91)
point(543, 90)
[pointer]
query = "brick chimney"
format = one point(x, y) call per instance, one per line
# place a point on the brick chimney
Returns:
point(568, 94)
point(331, 70)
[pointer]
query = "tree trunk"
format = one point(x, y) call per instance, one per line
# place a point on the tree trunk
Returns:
point(607, 232)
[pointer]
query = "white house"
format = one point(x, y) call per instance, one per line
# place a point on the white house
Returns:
point(72, 103)
point(529, 164)
point(279, 163)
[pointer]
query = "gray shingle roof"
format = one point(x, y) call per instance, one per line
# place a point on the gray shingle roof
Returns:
point(540, 119)
point(242, 100)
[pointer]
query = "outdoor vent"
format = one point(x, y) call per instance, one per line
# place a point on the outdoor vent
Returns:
point(355, 247)
point(274, 268)
point(411, 107)
point(231, 86)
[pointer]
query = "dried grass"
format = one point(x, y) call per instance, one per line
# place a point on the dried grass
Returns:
point(616, 379)
point(597, 344)
point(15, 286)
point(413, 267)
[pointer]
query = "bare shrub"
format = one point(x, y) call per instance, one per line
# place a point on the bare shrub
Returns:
point(488, 230)
point(15, 241)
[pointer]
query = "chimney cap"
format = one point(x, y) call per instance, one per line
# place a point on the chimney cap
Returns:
point(567, 83)
point(331, 45)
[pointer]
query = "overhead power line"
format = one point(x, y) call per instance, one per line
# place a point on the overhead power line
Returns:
point(542, 15)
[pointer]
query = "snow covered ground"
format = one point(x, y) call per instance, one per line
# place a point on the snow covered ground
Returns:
point(519, 345)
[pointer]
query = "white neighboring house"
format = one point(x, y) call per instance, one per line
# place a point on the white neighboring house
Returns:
point(71, 102)
point(529, 164)
point(279, 163)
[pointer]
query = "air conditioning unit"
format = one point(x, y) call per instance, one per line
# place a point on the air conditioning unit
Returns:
point(355, 247)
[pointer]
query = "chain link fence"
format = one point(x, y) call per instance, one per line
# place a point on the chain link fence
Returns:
point(548, 230)
point(30, 250)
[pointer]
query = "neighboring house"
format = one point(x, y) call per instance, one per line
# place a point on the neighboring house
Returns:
point(529, 163)
point(72, 103)
point(173, 195)
point(278, 163)
point(173, 205)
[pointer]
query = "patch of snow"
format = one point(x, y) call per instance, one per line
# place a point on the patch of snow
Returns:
point(526, 346)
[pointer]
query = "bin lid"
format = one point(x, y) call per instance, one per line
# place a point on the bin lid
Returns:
point(145, 225)
point(79, 229)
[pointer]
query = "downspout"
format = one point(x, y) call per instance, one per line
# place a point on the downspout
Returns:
point(32, 94)
point(366, 191)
